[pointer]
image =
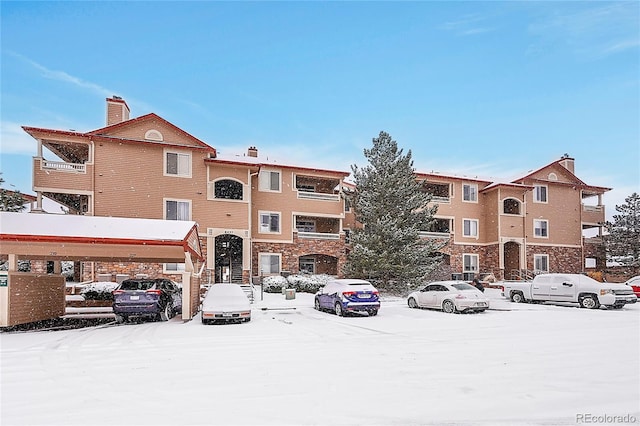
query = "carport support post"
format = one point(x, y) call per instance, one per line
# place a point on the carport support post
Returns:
point(186, 296)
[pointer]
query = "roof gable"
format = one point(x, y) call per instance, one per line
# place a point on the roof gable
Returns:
point(136, 129)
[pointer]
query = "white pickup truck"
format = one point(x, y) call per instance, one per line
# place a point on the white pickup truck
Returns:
point(575, 288)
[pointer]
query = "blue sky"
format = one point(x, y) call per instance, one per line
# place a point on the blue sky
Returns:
point(490, 89)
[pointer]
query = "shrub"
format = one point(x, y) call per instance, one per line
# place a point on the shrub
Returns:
point(307, 283)
point(273, 284)
point(101, 290)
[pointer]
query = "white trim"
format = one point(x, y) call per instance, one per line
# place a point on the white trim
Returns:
point(535, 194)
point(535, 221)
point(177, 200)
point(541, 256)
point(471, 186)
point(270, 213)
point(477, 222)
point(179, 153)
point(278, 255)
point(153, 135)
point(264, 185)
point(477, 263)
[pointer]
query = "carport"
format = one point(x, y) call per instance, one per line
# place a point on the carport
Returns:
point(27, 297)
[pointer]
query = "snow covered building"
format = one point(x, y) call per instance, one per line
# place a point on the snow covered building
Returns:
point(258, 217)
point(531, 224)
point(254, 216)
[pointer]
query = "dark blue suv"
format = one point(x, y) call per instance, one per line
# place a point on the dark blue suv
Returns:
point(348, 295)
point(158, 298)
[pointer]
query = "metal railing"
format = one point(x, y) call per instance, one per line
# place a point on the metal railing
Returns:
point(305, 195)
point(318, 235)
point(65, 167)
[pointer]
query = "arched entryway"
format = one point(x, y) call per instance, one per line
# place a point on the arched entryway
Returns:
point(511, 259)
point(228, 259)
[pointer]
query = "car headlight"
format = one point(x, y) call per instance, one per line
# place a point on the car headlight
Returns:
point(606, 291)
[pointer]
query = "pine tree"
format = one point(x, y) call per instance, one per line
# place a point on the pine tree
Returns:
point(623, 241)
point(10, 201)
point(392, 207)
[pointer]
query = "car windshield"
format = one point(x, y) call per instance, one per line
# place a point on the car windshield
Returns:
point(463, 286)
point(136, 285)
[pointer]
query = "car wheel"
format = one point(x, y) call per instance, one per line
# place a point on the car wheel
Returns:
point(167, 312)
point(121, 318)
point(317, 304)
point(205, 321)
point(373, 313)
point(412, 303)
point(448, 306)
point(339, 310)
point(589, 302)
point(247, 319)
point(517, 297)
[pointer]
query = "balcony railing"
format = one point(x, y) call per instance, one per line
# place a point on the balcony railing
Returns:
point(436, 199)
point(304, 195)
point(427, 234)
point(65, 167)
point(596, 209)
point(318, 235)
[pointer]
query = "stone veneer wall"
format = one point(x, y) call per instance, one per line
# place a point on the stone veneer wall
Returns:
point(488, 258)
point(561, 259)
point(291, 252)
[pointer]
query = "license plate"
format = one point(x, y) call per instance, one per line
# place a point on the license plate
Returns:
point(364, 296)
point(134, 297)
point(227, 314)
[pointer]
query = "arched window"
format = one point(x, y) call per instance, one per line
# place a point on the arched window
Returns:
point(153, 135)
point(228, 189)
point(511, 206)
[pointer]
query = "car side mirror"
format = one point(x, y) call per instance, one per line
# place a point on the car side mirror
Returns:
point(567, 284)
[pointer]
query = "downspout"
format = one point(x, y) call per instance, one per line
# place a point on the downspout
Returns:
point(250, 213)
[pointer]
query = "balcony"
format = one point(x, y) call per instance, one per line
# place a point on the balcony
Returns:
point(318, 235)
point(60, 176)
point(592, 214)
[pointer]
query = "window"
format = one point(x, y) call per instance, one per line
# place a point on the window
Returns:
point(269, 263)
point(306, 225)
point(539, 194)
point(228, 189)
point(511, 206)
point(177, 210)
point(153, 135)
point(590, 262)
point(470, 263)
point(541, 263)
point(269, 181)
point(470, 193)
point(177, 164)
point(470, 228)
point(308, 264)
point(541, 228)
point(173, 268)
point(269, 222)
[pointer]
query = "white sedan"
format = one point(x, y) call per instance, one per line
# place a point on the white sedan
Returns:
point(226, 302)
point(450, 296)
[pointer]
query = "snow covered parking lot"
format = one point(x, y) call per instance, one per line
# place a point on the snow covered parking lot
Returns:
point(533, 364)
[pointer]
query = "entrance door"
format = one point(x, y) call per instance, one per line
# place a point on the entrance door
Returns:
point(511, 259)
point(228, 259)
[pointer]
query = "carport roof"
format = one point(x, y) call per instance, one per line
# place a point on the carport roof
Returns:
point(74, 237)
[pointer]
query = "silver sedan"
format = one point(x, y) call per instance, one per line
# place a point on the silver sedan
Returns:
point(449, 296)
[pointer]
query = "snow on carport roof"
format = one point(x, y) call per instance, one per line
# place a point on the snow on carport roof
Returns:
point(55, 228)
point(93, 226)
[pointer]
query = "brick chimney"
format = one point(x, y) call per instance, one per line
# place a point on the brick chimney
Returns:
point(252, 152)
point(117, 110)
point(568, 163)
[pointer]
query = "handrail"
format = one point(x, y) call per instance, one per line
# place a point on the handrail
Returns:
point(318, 196)
point(318, 235)
point(65, 167)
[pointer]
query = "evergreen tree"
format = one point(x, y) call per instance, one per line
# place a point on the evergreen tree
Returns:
point(623, 241)
point(10, 201)
point(393, 208)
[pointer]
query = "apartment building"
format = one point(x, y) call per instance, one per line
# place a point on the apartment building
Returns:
point(255, 217)
point(535, 223)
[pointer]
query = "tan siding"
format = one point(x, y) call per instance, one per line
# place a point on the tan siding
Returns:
point(563, 213)
point(34, 297)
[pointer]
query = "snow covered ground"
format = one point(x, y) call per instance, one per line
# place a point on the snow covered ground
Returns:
point(523, 364)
